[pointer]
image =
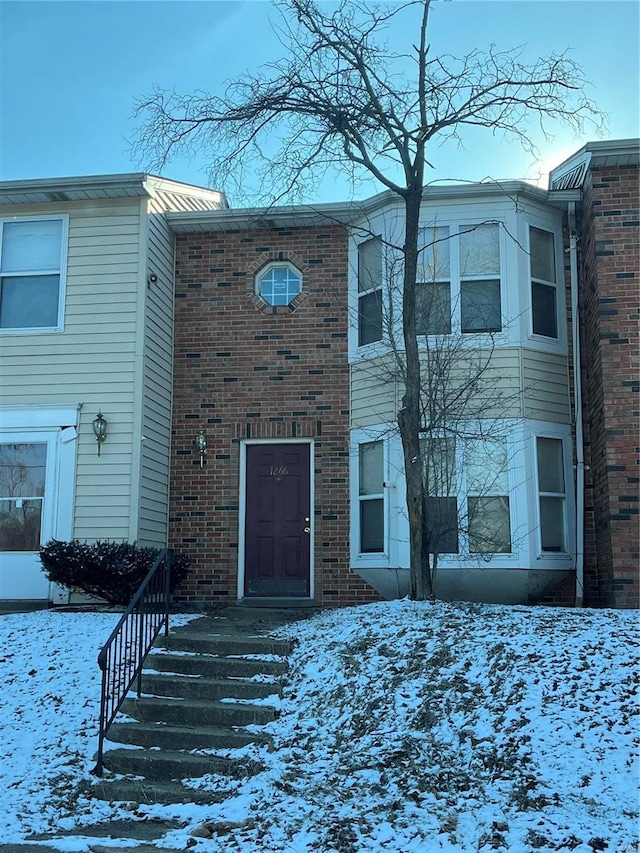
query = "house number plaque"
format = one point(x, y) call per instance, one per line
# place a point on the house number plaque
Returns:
point(278, 471)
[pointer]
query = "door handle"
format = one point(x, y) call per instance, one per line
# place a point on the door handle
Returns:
point(307, 530)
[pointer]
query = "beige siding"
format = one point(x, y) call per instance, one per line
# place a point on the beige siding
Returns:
point(546, 386)
point(158, 364)
point(92, 361)
point(376, 392)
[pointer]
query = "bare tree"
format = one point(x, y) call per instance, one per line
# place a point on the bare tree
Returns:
point(341, 99)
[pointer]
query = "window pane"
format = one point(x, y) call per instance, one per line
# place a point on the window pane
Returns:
point(370, 318)
point(543, 262)
point(29, 302)
point(371, 526)
point(371, 468)
point(479, 250)
point(480, 306)
point(543, 300)
point(485, 462)
point(433, 259)
point(439, 465)
point(489, 525)
point(31, 245)
point(441, 525)
point(22, 470)
point(279, 285)
point(370, 264)
point(550, 465)
point(552, 524)
point(433, 309)
point(20, 524)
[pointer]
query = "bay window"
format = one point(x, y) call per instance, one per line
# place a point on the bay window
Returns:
point(433, 283)
point(551, 494)
point(370, 291)
point(480, 307)
point(442, 522)
point(371, 497)
point(488, 509)
point(458, 280)
point(544, 288)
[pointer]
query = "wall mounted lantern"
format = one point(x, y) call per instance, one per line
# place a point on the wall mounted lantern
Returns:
point(200, 442)
point(100, 429)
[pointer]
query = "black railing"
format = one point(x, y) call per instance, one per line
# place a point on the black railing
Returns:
point(122, 656)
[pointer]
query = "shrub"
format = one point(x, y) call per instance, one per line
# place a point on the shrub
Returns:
point(109, 570)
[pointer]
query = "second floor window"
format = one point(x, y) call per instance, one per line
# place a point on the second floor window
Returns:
point(458, 282)
point(31, 274)
point(370, 291)
point(279, 284)
point(544, 288)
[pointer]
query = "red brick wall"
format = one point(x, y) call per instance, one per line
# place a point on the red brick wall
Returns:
point(243, 370)
point(610, 304)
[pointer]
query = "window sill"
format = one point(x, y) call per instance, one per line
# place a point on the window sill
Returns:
point(49, 330)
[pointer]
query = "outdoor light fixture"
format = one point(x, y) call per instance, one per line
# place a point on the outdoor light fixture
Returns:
point(201, 443)
point(100, 429)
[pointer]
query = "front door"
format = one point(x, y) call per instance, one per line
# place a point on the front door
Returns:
point(278, 521)
point(25, 515)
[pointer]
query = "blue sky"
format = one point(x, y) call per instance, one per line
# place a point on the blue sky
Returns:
point(70, 72)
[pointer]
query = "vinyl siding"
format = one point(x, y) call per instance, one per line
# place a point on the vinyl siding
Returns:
point(376, 394)
point(518, 382)
point(546, 386)
point(157, 393)
point(92, 362)
point(158, 359)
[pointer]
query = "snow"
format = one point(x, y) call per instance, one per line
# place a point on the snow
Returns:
point(403, 727)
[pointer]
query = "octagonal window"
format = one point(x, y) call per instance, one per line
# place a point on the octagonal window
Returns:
point(279, 284)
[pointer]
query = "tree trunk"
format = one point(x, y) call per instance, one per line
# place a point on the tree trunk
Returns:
point(409, 416)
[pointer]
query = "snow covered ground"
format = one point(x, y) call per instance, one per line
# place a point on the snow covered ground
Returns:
point(405, 728)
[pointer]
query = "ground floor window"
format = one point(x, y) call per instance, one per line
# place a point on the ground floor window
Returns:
point(467, 506)
point(495, 495)
point(371, 497)
point(22, 481)
point(551, 494)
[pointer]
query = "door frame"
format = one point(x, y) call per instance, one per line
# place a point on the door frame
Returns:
point(242, 508)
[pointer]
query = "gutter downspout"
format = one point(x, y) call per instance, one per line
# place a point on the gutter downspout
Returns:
point(577, 398)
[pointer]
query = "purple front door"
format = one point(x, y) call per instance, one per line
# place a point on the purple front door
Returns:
point(278, 521)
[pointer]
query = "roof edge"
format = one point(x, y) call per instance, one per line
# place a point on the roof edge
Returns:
point(339, 213)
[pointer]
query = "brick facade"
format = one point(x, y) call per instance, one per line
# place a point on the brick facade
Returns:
point(609, 306)
point(244, 370)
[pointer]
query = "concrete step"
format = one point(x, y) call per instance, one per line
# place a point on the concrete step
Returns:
point(223, 645)
point(213, 666)
point(169, 765)
point(183, 737)
point(146, 791)
point(193, 687)
point(183, 712)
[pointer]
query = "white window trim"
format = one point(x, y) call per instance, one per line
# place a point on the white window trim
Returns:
point(470, 339)
point(566, 470)
point(59, 327)
point(543, 341)
point(382, 340)
point(462, 495)
point(375, 559)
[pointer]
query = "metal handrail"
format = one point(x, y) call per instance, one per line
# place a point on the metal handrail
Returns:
point(122, 656)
